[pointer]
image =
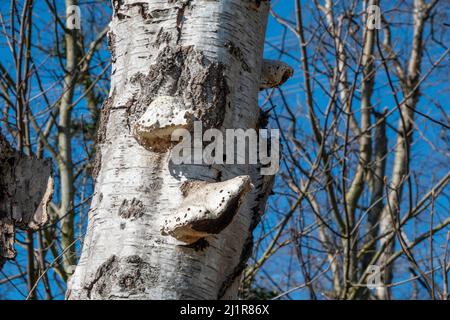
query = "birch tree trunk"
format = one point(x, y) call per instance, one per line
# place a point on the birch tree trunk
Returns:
point(175, 62)
point(65, 163)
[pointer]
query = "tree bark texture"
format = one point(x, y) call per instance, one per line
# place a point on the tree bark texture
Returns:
point(26, 188)
point(174, 62)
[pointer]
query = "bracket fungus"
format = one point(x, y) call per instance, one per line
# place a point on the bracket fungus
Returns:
point(274, 73)
point(164, 115)
point(207, 209)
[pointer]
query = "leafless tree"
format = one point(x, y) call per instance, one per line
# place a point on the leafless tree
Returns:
point(355, 192)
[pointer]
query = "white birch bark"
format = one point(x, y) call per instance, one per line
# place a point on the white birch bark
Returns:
point(202, 58)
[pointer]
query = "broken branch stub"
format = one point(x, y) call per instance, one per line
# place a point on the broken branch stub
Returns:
point(274, 73)
point(207, 209)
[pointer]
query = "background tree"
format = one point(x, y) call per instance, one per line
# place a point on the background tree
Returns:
point(356, 191)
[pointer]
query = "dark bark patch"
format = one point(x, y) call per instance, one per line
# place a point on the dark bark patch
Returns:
point(7, 236)
point(237, 53)
point(117, 4)
point(112, 45)
point(117, 8)
point(7, 232)
point(131, 209)
point(128, 275)
point(255, 4)
point(101, 134)
point(180, 18)
point(162, 37)
point(186, 73)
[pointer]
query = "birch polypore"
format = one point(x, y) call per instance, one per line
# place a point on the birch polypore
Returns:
point(174, 62)
point(274, 73)
point(207, 209)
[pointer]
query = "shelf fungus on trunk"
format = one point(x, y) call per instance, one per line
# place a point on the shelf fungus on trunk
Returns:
point(202, 59)
point(182, 86)
point(164, 115)
point(207, 209)
point(26, 188)
point(274, 73)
